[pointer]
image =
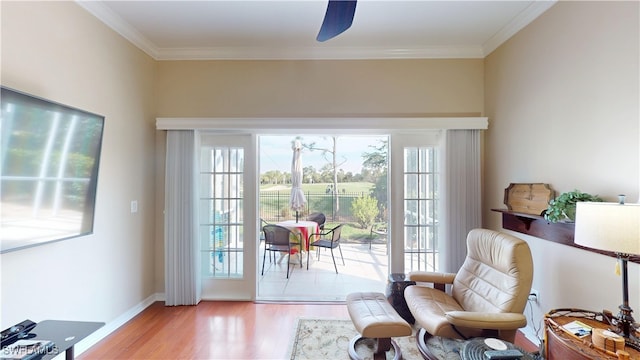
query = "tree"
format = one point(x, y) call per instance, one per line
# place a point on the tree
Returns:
point(308, 173)
point(365, 210)
point(367, 175)
point(326, 173)
point(349, 177)
point(376, 160)
point(275, 177)
point(330, 154)
point(375, 167)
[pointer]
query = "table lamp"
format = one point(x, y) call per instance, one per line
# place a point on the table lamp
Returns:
point(613, 227)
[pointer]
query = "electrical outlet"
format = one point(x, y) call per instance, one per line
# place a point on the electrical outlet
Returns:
point(534, 295)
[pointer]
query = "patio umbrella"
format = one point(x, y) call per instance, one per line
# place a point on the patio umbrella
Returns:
point(297, 201)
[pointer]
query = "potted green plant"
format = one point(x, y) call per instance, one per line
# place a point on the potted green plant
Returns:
point(563, 208)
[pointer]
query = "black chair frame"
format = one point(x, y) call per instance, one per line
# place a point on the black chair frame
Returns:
point(322, 240)
point(319, 218)
point(278, 239)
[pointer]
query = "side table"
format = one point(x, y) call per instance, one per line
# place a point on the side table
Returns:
point(395, 295)
point(561, 345)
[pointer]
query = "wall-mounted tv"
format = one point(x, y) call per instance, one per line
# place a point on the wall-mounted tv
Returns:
point(49, 159)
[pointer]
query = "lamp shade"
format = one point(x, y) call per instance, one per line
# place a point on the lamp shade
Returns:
point(608, 226)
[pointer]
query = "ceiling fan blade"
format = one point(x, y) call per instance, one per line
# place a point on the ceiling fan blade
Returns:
point(338, 18)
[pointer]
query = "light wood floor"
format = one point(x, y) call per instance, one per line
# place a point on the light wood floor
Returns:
point(215, 330)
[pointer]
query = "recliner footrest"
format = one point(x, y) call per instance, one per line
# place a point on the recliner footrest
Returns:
point(373, 317)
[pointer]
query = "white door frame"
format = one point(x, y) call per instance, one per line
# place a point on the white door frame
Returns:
point(243, 288)
point(399, 141)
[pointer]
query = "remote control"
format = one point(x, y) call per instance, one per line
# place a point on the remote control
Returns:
point(16, 332)
point(503, 354)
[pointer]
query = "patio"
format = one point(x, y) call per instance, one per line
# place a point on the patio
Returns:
point(364, 270)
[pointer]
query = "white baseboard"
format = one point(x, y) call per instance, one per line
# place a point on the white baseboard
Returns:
point(112, 326)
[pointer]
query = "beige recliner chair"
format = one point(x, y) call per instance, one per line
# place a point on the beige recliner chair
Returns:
point(488, 294)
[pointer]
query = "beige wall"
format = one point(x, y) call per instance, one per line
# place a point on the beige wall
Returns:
point(562, 97)
point(320, 88)
point(58, 51)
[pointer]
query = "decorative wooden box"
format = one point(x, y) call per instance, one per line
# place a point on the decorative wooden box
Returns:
point(528, 198)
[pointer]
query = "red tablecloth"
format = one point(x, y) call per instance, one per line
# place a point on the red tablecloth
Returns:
point(302, 227)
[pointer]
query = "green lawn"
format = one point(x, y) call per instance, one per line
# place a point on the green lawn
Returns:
point(352, 231)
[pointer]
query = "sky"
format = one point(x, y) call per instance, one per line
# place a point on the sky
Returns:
point(276, 152)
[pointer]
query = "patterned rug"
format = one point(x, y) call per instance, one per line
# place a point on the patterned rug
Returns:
point(329, 339)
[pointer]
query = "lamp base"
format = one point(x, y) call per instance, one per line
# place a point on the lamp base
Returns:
point(625, 326)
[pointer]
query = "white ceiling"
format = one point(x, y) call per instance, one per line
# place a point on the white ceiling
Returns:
point(270, 29)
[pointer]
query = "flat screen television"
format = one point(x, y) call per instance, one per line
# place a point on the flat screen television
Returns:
point(49, 160)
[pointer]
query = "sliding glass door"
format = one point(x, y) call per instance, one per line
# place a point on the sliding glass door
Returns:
point(225, 223)
point(415, 201)
point(421, 207)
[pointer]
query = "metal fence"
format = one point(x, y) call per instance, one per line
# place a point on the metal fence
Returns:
point(274, 205)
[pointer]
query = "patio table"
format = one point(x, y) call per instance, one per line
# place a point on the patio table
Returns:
point(302, 227)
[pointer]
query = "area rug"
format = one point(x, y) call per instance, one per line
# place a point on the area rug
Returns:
point(329, 339)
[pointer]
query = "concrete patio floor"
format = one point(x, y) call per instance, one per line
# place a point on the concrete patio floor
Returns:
point(364, 270)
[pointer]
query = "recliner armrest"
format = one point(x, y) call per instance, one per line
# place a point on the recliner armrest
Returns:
point(432, 277)
point(482, 320)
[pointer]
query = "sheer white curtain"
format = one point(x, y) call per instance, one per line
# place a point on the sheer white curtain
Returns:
point(182, 275)
point(461, 194)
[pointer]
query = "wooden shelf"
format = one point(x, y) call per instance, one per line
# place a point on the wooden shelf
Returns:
point(538, 226)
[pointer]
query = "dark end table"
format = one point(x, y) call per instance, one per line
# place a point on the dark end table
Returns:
point(395, 295)
point(64, 334)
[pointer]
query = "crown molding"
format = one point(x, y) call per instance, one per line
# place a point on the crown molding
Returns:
point(317, 53)
point(518, 23)
point(115, 22)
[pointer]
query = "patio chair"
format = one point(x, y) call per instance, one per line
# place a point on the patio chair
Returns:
point(318, 217)
point(379, 229)
point(328, 240)
point(280, 239)
point(263, 222)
